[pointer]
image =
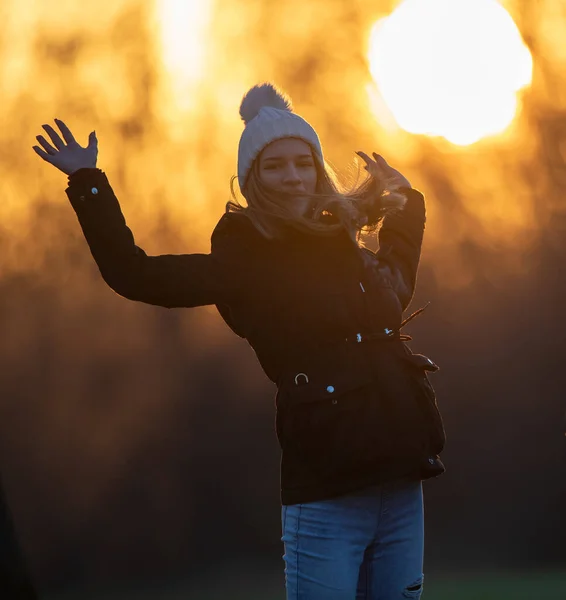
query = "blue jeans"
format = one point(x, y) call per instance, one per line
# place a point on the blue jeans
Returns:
point(367, 545)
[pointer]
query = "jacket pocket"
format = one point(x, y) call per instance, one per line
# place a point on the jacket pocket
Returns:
point(321, 385)
point(324, 414)
point(419, 366)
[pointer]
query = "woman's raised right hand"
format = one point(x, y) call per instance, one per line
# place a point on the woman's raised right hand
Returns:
point(66, 154)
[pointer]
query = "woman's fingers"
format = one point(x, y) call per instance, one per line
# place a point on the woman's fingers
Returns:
point(379, 168)
point(57, 141)
point(67, 135)
point(364, 156)
point(379, 159)
point(382, 165)
point(371, 165)
point(45, 144)
point(391, 176)
point(42, 153)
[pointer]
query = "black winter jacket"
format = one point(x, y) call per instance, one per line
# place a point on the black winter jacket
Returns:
point(354, 406)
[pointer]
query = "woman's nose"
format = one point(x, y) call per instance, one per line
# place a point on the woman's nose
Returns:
point(291, 175)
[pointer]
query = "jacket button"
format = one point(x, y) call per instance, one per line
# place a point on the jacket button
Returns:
point(82, 198)
point(94, 191)
point(330, 389)
point(431, 461)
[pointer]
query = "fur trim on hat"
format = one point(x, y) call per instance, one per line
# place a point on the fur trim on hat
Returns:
point(266, 94)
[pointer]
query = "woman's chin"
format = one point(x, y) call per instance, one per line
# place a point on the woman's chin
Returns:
point(302, 206)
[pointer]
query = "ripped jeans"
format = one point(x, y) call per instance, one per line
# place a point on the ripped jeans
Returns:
point(367, 545)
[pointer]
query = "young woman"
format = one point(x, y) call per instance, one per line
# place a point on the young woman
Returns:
point(357, 419)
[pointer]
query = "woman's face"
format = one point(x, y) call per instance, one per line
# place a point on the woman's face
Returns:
point(288, 165)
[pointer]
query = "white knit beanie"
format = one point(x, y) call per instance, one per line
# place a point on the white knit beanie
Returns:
point(268, 115)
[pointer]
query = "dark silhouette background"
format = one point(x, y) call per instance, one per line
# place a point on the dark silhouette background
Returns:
point(137, 443)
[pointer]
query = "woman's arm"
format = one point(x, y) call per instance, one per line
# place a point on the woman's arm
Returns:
point(168, 280)
point(400, 242)
point(401, 233)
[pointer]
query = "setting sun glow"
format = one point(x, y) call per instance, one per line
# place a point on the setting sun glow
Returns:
point(450, 68)
point(183, 26)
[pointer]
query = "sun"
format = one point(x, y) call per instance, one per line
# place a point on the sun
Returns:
point(450, 68)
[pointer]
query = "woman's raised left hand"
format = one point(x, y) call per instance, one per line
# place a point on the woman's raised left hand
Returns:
point(391, 180)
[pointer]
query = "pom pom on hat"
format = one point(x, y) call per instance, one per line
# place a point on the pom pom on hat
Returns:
point(268, 115)
point(260, 96)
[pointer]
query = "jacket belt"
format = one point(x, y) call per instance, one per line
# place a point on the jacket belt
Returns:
point(387, 335)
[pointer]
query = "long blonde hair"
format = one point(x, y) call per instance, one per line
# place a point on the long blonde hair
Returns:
point(357, 209)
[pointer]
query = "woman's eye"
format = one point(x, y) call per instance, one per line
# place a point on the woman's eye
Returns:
point(306, 165)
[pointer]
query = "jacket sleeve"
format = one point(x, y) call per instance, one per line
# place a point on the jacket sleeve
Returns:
point(169, 280)
point(400, 242)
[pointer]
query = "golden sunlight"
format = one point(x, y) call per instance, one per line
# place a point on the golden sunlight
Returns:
point(450, 68)
point(183, 27)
